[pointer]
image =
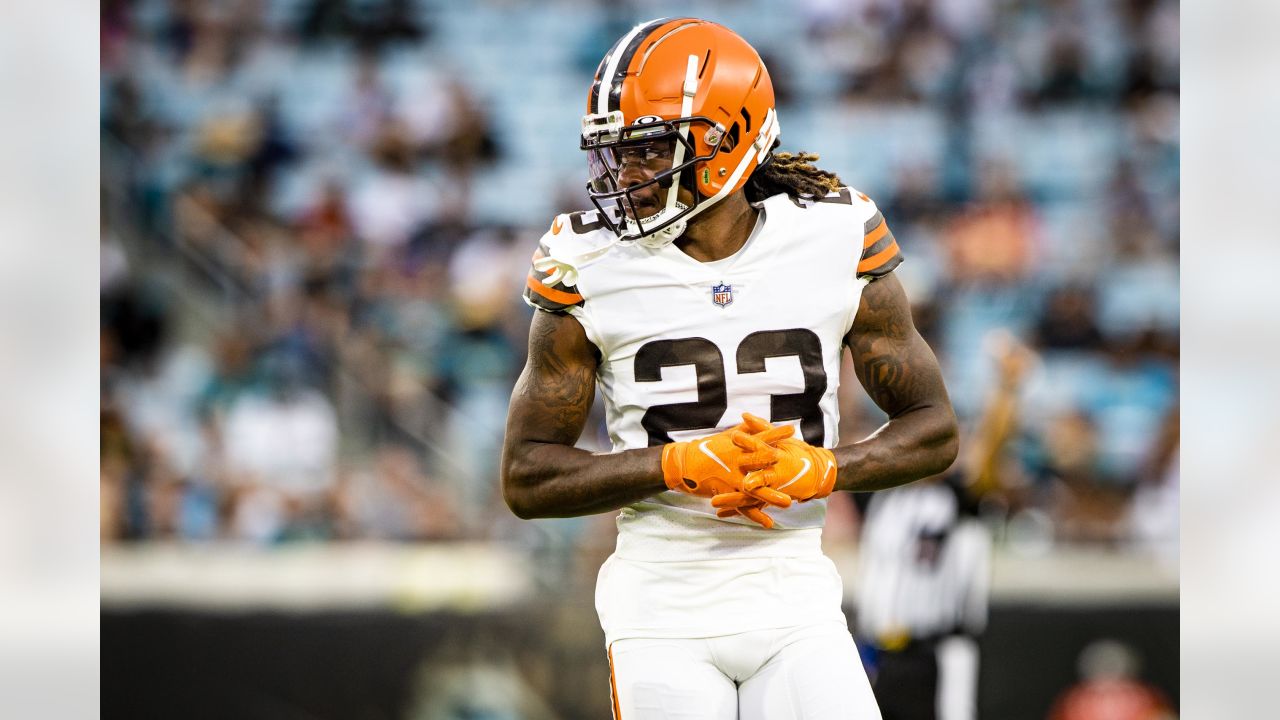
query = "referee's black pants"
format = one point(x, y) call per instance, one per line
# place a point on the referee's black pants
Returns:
point(906, 682)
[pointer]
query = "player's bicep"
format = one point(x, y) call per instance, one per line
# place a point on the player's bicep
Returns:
point(553, 395)
point(894, 364)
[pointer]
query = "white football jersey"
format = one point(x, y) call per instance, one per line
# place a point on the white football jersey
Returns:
point(687, 347)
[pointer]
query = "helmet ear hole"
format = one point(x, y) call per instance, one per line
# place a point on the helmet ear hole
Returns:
point(731, 139)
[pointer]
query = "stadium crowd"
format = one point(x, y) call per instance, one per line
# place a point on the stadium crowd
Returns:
point(317, 216)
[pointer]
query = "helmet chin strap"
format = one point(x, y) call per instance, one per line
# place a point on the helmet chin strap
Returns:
point(666, 235)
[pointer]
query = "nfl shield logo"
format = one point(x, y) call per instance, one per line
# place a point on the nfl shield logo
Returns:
point(722, 294)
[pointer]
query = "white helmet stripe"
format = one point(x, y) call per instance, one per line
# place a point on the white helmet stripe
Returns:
point(606, 77)
point(686, 109)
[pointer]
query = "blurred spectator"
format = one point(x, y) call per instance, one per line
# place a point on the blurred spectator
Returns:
point(1069, 321)
point(159, 405)
point(477, 366)
point(394, 500)
point(118, 462)
point(391, 201)
point(995, 240)
point(1139, 289)
point(367, 104)
point(1154, 514)
point(1085, 508)
point(916, 196)
point(134, 323)
point(371, 25)
point(113, 262)
point(462, 137)
point(325, 232)
point(1129, 404)
point(1065, 76)
point(1110, 688)
point(281, 448)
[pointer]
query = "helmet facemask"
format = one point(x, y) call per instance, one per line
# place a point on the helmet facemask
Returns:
point(648, 212)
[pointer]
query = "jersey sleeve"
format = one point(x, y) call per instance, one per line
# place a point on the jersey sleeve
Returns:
point(880, 254)
point(549, 285)
point(545, 291)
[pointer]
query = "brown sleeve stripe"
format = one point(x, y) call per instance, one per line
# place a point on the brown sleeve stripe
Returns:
point(885, 240)
point(880, 252)
point(549, 298)
point(874, 229)
point(533, 299)
point(550, 293)
point(882, 262)
point(553, 298)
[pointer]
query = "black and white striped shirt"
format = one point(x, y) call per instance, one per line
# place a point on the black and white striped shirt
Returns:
point(924, 565)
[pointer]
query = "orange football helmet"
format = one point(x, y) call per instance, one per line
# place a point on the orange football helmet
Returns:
point(691, 101)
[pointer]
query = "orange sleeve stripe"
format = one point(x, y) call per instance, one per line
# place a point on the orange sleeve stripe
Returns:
point(552, 294)
point(879, 258)
point(870, 238)
point(613, 685)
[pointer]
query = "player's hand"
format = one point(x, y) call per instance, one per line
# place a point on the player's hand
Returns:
point(718, 464)
point(753, 511)
point(1014, 360)
point(802, 472)
point(752, 505)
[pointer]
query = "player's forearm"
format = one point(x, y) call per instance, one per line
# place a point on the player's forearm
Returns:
point(912, 446)
point(541, 479)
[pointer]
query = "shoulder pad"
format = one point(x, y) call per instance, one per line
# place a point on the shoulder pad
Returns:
point(880, 253)
point(582, 222)
point(577, 238)
point(573, 242)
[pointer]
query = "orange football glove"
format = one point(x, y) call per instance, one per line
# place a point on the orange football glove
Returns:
point(751, 506)
point(753, 511)
point(802, 472)
point(718, 464)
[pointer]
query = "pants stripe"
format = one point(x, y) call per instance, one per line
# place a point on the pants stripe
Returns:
point(613, 687)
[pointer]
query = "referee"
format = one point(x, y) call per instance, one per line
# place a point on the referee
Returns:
point(925, 571)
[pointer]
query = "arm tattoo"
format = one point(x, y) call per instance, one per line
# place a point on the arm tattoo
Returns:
point(543, 475)
point(883, 373)
point(894, 364)
point(901, 374)
point(558, 384)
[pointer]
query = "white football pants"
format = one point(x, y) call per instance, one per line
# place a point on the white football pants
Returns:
point(801, 673)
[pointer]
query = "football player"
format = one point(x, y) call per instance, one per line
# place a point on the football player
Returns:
point(710, 296)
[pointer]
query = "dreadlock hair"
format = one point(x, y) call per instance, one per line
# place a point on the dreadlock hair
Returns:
point(793, 174)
